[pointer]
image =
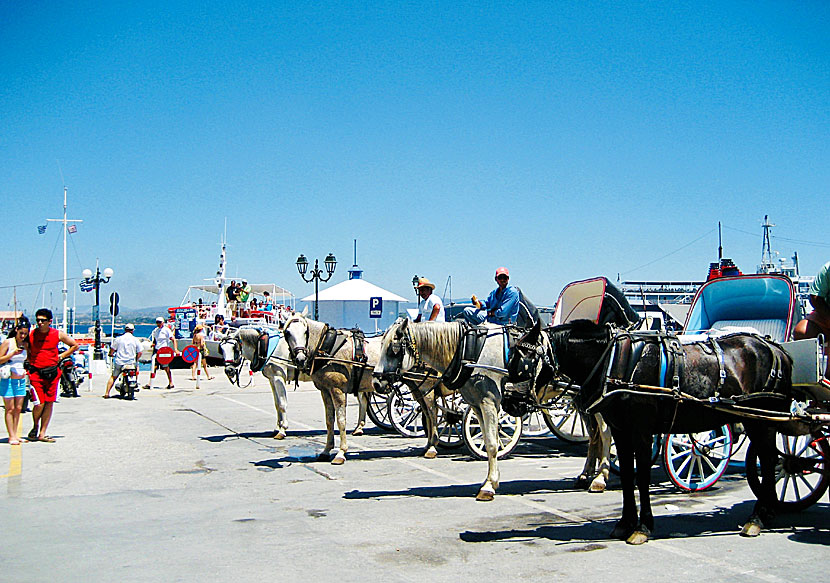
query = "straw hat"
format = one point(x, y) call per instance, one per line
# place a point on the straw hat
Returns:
point(424, 282)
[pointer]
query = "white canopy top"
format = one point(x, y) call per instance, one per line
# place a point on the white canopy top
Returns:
point(355, 290)
point(257, 288)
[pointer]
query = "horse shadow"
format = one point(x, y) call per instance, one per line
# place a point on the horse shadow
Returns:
point(714, 523)
point(262, 435)
point(465, 490)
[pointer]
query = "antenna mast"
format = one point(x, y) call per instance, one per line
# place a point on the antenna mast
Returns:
point(767, 265)
point(65, 221)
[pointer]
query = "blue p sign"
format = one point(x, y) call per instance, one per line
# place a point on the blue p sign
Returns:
point(375, 307)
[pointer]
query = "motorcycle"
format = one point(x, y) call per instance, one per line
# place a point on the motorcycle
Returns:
point(70, 379)
point(128, 382)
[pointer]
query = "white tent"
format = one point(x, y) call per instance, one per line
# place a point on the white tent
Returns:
point(346, 305)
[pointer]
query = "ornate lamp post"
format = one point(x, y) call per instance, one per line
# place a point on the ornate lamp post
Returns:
point(316, 274)
point(96, 281)
point(415, 280)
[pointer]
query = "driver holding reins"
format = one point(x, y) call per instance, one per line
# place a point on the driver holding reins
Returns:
point(500, 307)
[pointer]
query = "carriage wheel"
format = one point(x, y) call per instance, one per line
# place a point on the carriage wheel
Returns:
point(450, 420)
point(802, 472)
point(509, 433)
point(614, 465)
point(405, 413)
point(378, 411)
point(695, 461)
point(565, 421)
point(535, 424)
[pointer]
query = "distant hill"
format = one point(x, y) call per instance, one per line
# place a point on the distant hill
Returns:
point(134, 315)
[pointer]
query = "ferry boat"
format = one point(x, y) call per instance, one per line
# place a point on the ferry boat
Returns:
point(202, 303)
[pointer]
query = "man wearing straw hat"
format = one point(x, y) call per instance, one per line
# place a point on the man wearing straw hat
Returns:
point(431, 308)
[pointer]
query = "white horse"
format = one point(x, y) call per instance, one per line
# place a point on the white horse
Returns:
point(407, 346)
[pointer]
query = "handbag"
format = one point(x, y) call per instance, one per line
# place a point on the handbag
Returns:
point(5, 371)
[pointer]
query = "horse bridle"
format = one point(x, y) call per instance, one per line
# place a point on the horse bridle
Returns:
point(295, 349)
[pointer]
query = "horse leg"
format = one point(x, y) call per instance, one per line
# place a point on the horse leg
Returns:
point(602, 454)
point(329, 407)
point(277, 382)
point(339, 400)
point(363, 404)
point(762, 514)
point(583, 480)
point(427, 404)
point(489, 416)
point(645, 526)
point(625, 457)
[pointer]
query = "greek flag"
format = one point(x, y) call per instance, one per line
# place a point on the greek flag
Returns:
point(71, 229)
point(41, 229)
point(87, 286)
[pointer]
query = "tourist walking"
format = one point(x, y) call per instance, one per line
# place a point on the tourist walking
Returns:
point(43, 359)
point(162, 337)
point(201, 346)
point(125, 349)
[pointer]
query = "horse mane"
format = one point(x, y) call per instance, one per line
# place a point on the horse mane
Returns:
point(437, 339)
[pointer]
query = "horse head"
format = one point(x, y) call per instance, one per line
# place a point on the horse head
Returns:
point(395, 354)
point(296, 334)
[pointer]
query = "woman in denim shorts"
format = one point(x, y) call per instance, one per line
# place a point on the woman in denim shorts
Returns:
point(13, 376)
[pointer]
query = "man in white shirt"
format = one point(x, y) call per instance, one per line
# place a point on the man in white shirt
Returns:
point(431, 308)
point(126, 349)
point(163, 336)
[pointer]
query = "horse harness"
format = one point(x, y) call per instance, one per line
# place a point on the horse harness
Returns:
point(626, 349)
point(330, 343)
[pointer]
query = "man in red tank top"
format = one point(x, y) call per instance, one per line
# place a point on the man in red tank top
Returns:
point(44, 373)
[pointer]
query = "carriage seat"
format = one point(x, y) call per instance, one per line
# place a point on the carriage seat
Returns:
point(773, 327)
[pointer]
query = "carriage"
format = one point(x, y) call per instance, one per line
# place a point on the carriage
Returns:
point(764, 304)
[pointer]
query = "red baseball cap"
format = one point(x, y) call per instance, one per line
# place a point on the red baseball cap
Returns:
point(502, 271)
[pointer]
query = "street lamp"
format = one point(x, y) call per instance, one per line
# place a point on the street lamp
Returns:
point(96, 281)
point(415, 281)
point(316, 274)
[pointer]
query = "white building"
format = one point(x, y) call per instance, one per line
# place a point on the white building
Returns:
point(346, 305)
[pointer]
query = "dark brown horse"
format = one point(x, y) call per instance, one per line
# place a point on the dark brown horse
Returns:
point(644, 384)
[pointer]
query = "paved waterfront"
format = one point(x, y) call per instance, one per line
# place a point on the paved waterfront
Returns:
point(187, 485)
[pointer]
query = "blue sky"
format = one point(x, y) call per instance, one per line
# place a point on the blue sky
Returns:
point(561, 139)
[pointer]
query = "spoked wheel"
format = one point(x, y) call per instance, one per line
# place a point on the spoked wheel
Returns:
point(509, 433)
point(405, 413)
point(378, 411)
point(535, 424)
point(695, 461)
point(802, 472)
point(614, 465)
point(450, 420)
point(565, 421)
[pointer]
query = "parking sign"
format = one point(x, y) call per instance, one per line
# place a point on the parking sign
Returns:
point(375, 307)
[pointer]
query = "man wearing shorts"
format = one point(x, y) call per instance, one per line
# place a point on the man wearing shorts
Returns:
point(126, 349)
point(44, 372)
point(163, 336)
point(818, 321)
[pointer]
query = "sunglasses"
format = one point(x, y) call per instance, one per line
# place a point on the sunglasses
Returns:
point(502, 277)
point(41, 320)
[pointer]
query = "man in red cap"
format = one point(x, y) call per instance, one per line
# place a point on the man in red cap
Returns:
point(500, 307)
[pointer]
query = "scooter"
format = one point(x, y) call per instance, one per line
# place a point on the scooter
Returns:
point(128, 382)
point(70, 379)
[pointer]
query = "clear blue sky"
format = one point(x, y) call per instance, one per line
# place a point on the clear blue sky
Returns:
point(561, 139)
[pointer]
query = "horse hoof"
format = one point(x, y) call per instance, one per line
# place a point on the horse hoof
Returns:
point(581, 483)
point(358, 431)
point(485, 496)
point(637, 538)
point(279, 435)
point(431, 453)
point(597, 487)
point(751, 529)
point(621, 532)
point(338, 460)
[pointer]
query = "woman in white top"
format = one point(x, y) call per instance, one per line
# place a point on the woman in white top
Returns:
point(431, 308)
point(13, 376)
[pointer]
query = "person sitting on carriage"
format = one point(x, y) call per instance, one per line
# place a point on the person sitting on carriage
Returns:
point(432, 308)
point(500, 307)
point(818, 321)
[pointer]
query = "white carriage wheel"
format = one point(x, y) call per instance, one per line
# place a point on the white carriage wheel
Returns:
point(535, 424)
point(565, 421)
point(695, 461)
point(509, 433)
point(405, 412)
